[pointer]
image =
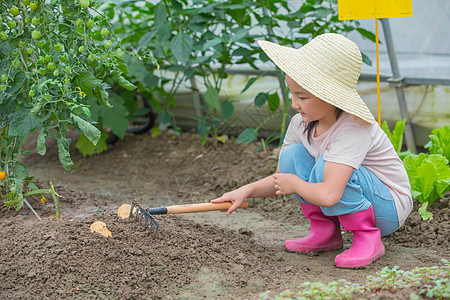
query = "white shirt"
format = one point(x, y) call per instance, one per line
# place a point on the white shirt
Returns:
point(354, 143)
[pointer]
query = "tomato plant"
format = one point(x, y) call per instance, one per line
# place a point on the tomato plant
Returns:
point(47, 79)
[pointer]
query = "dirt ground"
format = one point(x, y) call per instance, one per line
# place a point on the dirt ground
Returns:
point(192, 256)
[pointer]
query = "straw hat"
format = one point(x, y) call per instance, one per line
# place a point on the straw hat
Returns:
point(328, 67)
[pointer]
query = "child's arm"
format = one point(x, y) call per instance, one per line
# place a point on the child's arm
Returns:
point(258, 189)
point(326, 193)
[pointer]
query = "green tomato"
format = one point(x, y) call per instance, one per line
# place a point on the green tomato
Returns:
point(27, 20)
point(16, 63)
point(26, 2)
point(14, 10)
point(35, 21)
point(42, 71)
point(58, 47)
point(100, 17)
point(3, 36)
point(90, 23)
point(68, 70)
point(104, 32)
point(63, 57)
point(48, 58)
point(91, 57)
point(119, 53)
point(22, 44)
point(40, 43)
point(4, 77)
point(51, 66)
point(12, 24)
point(36, 34)
point(56, 72)
point(31, 93)
point(81, 49)
point(2, 87)
point(108, 44)
point(29, 50)
point(79, 23)
point(84, 3)
point(41, 60)
point(34, 5)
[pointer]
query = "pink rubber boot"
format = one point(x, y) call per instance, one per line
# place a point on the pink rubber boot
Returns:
point(366, 245)
point(325, 233)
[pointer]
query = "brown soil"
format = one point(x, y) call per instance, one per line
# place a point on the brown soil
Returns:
point(192, 256)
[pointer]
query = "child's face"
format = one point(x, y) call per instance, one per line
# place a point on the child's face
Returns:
point(309, 106)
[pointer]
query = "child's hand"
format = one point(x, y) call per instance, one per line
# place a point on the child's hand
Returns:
point(237, 197)
point(285, 183)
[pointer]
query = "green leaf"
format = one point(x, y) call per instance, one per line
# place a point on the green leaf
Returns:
point(366, 59)
point(151, 81)
point(427, 182)
point(202, 128)
point(91, 132)
point(85, 146)
point(181, 47)
point(87, 82)
point(20, 171)
point(160, 14)
point(116, 118)
point(227, 109)
point(367, 34)
point(125, 83)
point(261, 99)
point(440, 141)
point(241, 33)
point(22, 122)
point(41, 139)
point(247, 136)
point(426, 215)
point(274, 101)
point(249, 84)
point(212, 43)
point(63, 153)
point(164, 32)
point(103, 97)
point(212, 98)
point(396, 136)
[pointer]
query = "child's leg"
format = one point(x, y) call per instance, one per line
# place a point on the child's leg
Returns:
point(295, 159)
point(363, 190)
point(325, 231)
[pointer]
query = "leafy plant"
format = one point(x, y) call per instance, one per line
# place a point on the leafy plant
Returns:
point(429, 176)
point(440, 141)
point(396, 136)
point(430, 282)
point(54, 57)
point(195, 43)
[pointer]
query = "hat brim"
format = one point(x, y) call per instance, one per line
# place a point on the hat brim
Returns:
point(305, 72)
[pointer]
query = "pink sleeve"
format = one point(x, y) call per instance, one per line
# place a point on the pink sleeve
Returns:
point(349, 146)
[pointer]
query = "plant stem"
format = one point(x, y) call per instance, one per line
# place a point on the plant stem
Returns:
point(56, 200)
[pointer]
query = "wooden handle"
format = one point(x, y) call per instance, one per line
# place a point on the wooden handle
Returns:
point(190, 208)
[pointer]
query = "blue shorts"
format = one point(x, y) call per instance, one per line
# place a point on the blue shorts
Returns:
point(363, 189)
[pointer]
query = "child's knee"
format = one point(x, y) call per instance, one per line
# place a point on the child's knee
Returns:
point(290, 156)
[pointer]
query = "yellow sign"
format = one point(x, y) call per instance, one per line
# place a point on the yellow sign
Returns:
point(374, 9)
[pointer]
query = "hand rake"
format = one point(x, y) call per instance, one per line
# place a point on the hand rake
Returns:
point(145, 217)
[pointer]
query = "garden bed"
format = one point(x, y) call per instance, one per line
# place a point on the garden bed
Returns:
point(205, 255)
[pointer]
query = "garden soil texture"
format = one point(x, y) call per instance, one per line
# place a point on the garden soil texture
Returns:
point(191, 256)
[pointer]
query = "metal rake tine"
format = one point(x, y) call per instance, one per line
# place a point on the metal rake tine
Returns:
point(144, 217)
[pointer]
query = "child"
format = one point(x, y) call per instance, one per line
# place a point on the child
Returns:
point(335, 158)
